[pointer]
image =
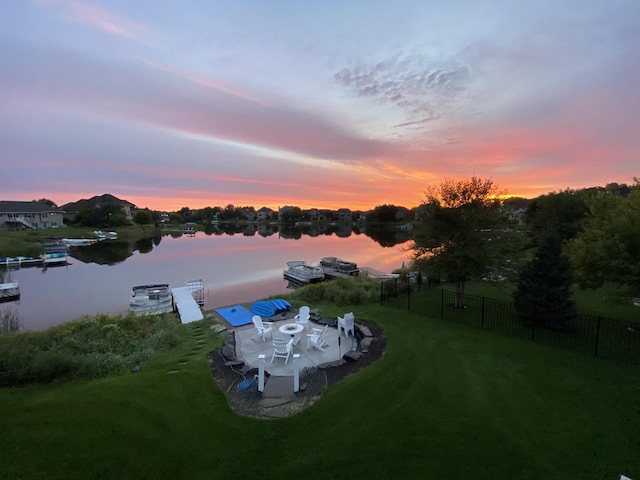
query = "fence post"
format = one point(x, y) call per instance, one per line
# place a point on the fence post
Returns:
point(441, 303)
point(595, 350)
point(482, 314)
point(408, 296)
point(381, 293)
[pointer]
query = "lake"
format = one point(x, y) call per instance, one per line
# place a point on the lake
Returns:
point(235, 269)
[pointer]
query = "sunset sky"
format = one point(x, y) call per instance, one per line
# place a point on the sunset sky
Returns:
point(325, 104)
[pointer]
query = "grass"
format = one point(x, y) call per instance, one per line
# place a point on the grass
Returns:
point(27, 243)
point(602, 302)
point(445, 401)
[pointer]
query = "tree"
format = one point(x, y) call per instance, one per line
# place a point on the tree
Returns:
point(543, 294)
point(105, 215)
point(175, 217)
point(290, 214)
point(142, 217)
point(46, 201)
point(230, 212)
point(561, 212)
point(462, 232)
point(382, 214)
point(607, 250)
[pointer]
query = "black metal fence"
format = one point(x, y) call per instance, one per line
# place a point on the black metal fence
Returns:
point(598, 336)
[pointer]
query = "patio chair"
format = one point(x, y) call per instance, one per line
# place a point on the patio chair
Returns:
point(282, 349)
point(303, 317)
point(316, 339)
point(264, 328)
point(346, 324)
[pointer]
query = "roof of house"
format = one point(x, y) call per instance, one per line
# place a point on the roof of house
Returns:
point(97, 200)
point(7, 206)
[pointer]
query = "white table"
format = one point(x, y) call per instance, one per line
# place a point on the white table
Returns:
point(292, 329)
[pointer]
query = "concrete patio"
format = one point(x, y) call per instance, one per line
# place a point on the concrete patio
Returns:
point(248, 349)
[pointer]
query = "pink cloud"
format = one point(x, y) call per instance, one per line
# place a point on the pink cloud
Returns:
point(77, 11)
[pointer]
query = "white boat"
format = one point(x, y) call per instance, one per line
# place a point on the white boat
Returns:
point(300, 272)
point(151, 299)
point(78, 242)
point(105, 235)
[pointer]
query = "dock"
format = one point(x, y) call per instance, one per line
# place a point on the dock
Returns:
point(45, 259)
point(330, 273)
point(9, 291)
point(377, 274)
point(189, 299)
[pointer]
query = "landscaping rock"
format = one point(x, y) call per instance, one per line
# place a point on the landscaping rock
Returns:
point(365, 344)
point(228, 352)
point(352, 356)
point(335, 363)
point(364, 330)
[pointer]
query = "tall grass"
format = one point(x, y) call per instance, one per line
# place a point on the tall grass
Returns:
point(89, 347)
point(351, 291)
point(10, 321)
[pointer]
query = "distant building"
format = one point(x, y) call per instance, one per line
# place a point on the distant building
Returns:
point(249, 213)
point(29, 216)
point(343, 215)
point(72, 209)
point(265, 213)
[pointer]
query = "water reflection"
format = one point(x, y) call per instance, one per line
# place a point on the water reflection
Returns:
point(115, 251)
point(240, 266)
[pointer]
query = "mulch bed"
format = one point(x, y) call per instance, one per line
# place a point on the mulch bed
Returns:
point(313, 383)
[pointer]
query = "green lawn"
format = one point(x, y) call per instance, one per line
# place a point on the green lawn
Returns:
point(601, 302)
point(445, 401)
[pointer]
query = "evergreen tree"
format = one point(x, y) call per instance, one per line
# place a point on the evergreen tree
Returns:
point(543, 294)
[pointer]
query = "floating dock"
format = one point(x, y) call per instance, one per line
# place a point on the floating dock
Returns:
point(45, 259)
point(188, 300)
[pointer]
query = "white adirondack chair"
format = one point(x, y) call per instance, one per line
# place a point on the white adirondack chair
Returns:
point(346, 324)
point(282, 348)
point(265, 329)
point(303, 317)
point(316, 339)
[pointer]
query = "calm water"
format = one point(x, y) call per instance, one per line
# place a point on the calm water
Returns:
point(235, 269)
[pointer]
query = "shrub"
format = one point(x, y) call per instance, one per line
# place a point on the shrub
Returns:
point(351, 291)
point(89, 347)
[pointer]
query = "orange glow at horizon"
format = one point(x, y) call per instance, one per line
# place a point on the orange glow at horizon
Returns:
point(409, 196)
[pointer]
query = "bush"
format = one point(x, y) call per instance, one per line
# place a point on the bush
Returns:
point(351, 291)
point(89, 347)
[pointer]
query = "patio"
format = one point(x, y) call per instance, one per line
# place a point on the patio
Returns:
point(248, 349)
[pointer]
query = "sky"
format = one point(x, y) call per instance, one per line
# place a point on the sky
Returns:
point(332, 104)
